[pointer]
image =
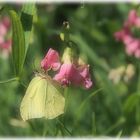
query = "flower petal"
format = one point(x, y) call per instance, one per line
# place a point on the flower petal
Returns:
point(51, 60)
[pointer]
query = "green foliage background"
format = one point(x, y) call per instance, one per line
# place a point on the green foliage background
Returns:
point(102, 110)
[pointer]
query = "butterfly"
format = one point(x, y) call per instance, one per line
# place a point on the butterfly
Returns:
point(43, 98)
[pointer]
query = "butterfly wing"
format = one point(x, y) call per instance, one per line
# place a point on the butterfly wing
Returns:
point(55, 102)
point(43, 98)
point(33, 103)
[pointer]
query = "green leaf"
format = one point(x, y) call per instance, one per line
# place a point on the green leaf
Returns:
point(86, 100)
point(110, 92)
point(27, 15)
point(119, 122)
point(81, 106)
point(18, 42)
point(131, 102)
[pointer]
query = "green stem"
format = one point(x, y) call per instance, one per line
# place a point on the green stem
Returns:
point(85, 101)
point(66, 95)
point(24, 85)
point(94, 128)
point(138, 84)
point(12, 80)
point(33, 128)
point(81, 107)
point(138, 92)
point(118, 123)
point(9, 80)
point(64, 127)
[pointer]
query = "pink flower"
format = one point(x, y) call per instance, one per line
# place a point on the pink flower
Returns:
point(132, 44)
point(6, 22)
point(137, 22)
point(3, 29)
point(71, 71)
point(51, 60)
point(137, 53)
point(4, 26)
point(7, 44)
point(127, 39)
point(1, 39)
point(84, 71)
point(122, 34)
point(132, 17)
point(70, 74)
point(5, 40)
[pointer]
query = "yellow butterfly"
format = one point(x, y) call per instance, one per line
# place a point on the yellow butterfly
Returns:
point(43, 98)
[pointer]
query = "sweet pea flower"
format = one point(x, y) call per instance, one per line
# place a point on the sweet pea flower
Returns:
point(127, 39)
point(132, 16)
point(4, 26)
point(84, 72)
point(5, 40)
point(137, 53)
point(71, 73)
point(137, 22)
point(6, 48)
point(132, 44)
point(68, 74)
point(51, 60)
point(3, 29)
point(1, 39)
point(122, 34)
point(6, 22)
point(133, 19)
point(7, 45)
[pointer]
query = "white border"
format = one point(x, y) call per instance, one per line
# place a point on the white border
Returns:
point(70, 1)
point(68, 138)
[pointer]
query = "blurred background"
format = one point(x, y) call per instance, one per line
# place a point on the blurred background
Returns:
point(111, 107)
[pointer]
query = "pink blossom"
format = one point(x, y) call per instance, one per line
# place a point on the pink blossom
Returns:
point(7, 44)
point(51, 60)
point(3, 29)
point(73, 71)
point(6, 22)
point(132, 17)
point(84, 71)
point(122, 34)
point(137, 22)
point(132, 44)
point(127, 39)
point(137, 53)
point(64, 74)
point(4, 26)
point(70, 74)
point(1, 39)
point(5, 41)
point(132, 47)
